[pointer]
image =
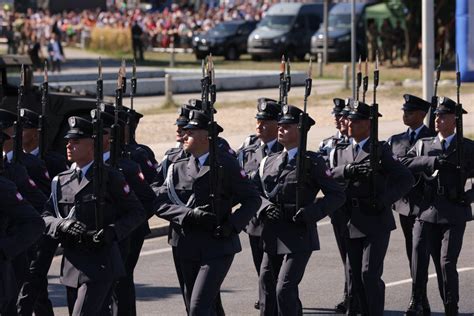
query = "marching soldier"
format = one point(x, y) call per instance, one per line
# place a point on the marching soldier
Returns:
point(35, 167)
point(91, 259)
point(131, 247)
point(55, 162)
point(139, 153)
point(327, 149)
point(206, 238)
point(21, 226)
point(249, 159)
point(253, 138)
point(441, 222)
point(329, 143)
point(414, 112)
point(369, 225)
point(289, 235)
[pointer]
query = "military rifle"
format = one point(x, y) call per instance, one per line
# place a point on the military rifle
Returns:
point(115, 137)
point(98, 166)
point(18, 125)
point(42, 118)
point(215, 169)
point(365, 80)
point(124, 77)
point(303, 127)
point(459, 137)
point(100, 84)
point(359, 78)
point(285, 80)
point(434, 98)
point(131, 116)
point(374, 155)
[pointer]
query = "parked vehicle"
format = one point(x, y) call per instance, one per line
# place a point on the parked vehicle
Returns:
point(339, 29)
point(228, 39)
point(286, 29)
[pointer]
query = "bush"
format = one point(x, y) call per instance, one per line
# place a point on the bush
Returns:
point(116, 41)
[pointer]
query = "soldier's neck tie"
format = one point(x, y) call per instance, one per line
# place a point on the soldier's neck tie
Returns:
point(78, 174)
point(443, 145)
point(196, 161)
point(356, 150)
point(412, 137)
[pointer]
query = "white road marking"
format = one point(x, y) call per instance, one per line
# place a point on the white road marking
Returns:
point(154, 252)
point(433, 275)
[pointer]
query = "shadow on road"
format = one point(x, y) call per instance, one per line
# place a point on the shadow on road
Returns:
point(145, 292)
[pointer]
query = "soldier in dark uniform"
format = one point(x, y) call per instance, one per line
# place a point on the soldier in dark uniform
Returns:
point(441, 222)
point(414, 112)
point(249, 159)
point(327, 148)
point(289, 236)
point(195, 104)
point(55, 162)
point(368, 227)
point(35, 167)
point(205, 252)
point(253, 138)
point(139, 153)
point(20, 227)
point(91, 259)
point(131, 247)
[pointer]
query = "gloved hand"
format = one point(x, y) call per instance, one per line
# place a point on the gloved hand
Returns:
point(224, 230)
point(356, 170)
point(202, 216)
point(444, 164)
point(72, 228)
point(272, 213)
point(98, 239)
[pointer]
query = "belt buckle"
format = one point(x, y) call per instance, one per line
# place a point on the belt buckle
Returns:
point(355, 202)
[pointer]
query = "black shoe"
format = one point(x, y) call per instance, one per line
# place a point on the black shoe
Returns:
point(341, 307)
point(415, 307)
point(257, 304)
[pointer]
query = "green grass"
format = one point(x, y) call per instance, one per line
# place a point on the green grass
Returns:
point(333, 70)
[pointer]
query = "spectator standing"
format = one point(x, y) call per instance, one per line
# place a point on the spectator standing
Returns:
point(137, 41)
point(56, 53)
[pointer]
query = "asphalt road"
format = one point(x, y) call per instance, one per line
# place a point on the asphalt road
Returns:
point(158, 291)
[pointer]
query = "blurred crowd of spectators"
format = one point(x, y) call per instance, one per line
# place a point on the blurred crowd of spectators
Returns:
point(32, 32)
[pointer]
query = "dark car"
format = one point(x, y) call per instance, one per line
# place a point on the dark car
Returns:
point(228, 39)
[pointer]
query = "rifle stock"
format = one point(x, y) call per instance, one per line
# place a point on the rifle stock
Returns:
point(18, 126)
point(374, 155)
point(459, 138)
point(42, 118)
point(303, 127)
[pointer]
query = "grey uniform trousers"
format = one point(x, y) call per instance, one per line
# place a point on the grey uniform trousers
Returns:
point(444, 243)
point(366, 256)
point(280, 276)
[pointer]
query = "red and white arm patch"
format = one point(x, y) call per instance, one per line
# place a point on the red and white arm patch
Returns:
point(243, 174)
point(141, 176)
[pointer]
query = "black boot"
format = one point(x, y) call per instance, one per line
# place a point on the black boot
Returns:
point(353, 307)
point(425, 303)
point(342, 306)
point(451, 309)
point(256, 305)
point(415, 308)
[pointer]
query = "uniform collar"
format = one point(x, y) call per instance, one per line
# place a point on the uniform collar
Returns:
point(270, 144)
point(447, 139)
point(202, 159)
point(291, 153)
point(8, 155)
point(85, 168)
point(35, 152)
point(417, 131)
point(106, 156)
point(361, 143)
